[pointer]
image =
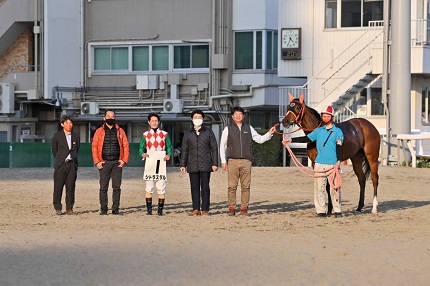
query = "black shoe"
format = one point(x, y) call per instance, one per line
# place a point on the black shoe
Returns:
point(321, 215)
point(116, 212)
point(103, 213)
point(336, 215)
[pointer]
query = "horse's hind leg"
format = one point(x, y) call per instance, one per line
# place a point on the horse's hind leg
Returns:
point(357, 165)
point(372, 159)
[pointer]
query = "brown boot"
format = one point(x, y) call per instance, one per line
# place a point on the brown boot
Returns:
point(231, 211)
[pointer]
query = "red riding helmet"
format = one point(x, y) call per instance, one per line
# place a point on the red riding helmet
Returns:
point(328, 110)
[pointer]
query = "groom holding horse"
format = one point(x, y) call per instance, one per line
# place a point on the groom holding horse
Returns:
point(329, 139)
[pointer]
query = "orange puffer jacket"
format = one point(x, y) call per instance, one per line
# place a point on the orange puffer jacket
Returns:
point(97, 145)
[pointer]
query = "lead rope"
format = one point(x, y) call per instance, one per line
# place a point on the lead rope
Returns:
point(334, 178)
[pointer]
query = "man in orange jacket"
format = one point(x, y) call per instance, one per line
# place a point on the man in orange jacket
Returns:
point(110, 151)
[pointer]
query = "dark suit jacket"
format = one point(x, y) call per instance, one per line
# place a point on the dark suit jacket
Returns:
point(60, 148)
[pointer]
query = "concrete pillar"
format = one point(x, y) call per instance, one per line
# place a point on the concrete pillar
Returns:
point(400, 72)
point(400, 67)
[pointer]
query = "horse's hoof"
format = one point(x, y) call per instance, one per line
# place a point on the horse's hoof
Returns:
point(358, 210)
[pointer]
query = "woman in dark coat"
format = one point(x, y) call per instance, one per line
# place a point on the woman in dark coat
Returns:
point(199, 157)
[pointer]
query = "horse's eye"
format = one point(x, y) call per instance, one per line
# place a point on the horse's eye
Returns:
point(292, 104)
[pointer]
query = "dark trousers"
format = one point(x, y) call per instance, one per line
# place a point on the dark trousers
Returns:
point(110, 171)
point(65, 176)
point(200, 185)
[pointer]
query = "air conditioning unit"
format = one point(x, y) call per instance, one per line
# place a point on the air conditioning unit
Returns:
point(7, 98)
point(172, 106)
point(89, 108)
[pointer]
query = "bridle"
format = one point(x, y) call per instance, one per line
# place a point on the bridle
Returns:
point(297, 119)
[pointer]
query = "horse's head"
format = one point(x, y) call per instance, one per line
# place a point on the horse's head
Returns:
point(294, 111)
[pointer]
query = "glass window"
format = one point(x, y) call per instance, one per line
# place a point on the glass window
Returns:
point(141, 58)
point(358, 13)
point(351, 13)
point(250, 48)
point(182, 57)
point(200, 56)
point(259, 52)
point(372, 11)
point(376, 101)
point(425, 108)
point(244, 50)
point(275, 50)
point(151, 58)
point(119, 58)
point(160, 58)
point(330, 13)
point(101, 59)
point(269, 50)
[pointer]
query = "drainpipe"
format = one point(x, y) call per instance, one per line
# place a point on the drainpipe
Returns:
point(385, 78)
point(36, 31)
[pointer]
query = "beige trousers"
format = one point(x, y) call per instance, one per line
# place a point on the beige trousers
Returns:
point(239, 169)
point(320, 192)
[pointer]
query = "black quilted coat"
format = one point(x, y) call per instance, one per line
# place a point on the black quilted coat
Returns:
point(199, 152)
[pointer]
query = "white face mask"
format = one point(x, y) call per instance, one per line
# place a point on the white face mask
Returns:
point(197, 122)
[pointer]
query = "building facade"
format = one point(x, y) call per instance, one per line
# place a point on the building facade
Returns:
point(137, 57)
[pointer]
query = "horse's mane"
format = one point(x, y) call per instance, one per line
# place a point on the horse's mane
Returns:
point(314, 113)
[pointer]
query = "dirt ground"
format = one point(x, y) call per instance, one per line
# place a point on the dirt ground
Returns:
point(280, 243)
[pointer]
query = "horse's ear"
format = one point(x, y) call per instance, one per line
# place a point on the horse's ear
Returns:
point(291, 96)
point(302, 98)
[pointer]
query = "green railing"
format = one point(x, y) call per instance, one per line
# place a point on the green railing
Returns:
point(34, 155)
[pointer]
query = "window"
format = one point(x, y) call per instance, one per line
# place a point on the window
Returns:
point(373, 10)
point(354, 13)
point(195, 56)
point(256, 50)
point(141, 58)
point(200, 56)
point(112, 58)
point(160, 58)
point(149, 58)
point(376, 101)
point(425, 107)
point(244, 50)
point(330, 13)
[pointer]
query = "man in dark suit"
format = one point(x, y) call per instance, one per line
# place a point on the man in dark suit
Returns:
point(65, 147)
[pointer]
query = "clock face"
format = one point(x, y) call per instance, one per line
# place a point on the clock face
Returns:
point(290, 38)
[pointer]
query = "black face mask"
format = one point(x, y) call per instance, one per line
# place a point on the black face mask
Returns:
point(110, 121)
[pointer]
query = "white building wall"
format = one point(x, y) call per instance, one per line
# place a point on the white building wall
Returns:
point(255, 14)
point(62, 44)
point(319, 45)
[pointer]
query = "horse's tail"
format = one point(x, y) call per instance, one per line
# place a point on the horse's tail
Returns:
point(365, 166)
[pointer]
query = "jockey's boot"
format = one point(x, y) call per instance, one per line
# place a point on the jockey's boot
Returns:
point(160, 207)
point(148, 206)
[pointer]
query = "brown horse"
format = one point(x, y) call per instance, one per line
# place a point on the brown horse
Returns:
point(361, 144)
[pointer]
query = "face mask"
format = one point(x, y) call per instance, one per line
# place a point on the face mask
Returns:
point(110, 121)
point(197, 122)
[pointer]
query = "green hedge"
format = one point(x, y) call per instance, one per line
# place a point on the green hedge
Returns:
point(268, 154)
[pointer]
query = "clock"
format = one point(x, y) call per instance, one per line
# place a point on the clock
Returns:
point(291, 43)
